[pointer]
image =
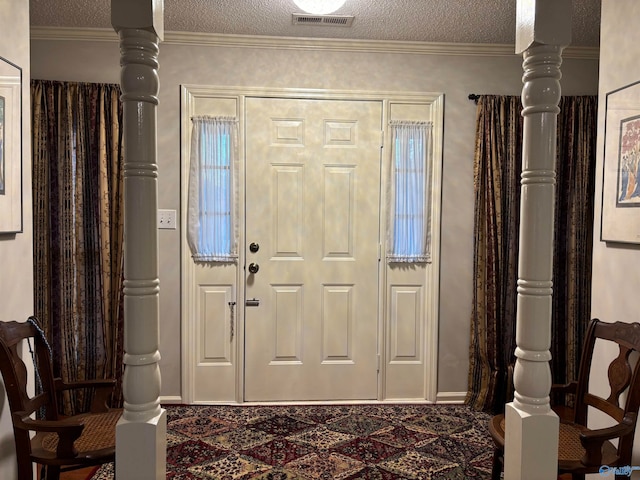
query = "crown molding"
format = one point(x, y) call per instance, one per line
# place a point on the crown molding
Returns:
point(303, 43)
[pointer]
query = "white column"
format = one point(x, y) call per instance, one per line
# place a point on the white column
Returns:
point(531, 438)
point(141, 432)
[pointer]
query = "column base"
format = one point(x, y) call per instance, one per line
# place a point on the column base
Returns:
point(141, 449)
point(530, 445)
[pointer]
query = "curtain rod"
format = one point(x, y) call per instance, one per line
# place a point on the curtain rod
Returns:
point(474, 97)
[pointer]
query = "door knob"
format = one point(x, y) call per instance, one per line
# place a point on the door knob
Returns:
point(254, 267)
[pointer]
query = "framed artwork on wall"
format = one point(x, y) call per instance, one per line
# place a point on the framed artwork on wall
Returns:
point(10, 147)
point(620, 220)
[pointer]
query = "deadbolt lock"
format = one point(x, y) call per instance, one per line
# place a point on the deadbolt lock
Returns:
point(254, 267)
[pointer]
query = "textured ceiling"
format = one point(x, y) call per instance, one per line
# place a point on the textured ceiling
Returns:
point(449, 21)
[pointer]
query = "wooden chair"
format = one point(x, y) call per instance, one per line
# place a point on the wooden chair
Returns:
point(59, 444)
point(582, 450)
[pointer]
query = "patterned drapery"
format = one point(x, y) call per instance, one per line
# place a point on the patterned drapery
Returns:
point(496, 235)
point(78, 230)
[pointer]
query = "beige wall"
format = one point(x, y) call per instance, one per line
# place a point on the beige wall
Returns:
point(454, 75)
point(16, 267)
point(615, 276)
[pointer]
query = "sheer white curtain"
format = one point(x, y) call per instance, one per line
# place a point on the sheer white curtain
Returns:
point(409, 193)
point(212, 230)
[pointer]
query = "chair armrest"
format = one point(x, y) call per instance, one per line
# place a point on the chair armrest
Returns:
point(559, 388)
point(68, 431)
point(102, 391)
point(60, 385)
point(592, 440)
point(566, 413)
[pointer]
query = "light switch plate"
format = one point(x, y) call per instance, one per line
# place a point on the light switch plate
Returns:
point(167, 219)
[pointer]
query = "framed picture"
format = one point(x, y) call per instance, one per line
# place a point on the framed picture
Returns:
point(10, 147)
point(621, 176)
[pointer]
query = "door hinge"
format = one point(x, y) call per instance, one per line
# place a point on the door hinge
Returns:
point(379, 363)
point(382, 139)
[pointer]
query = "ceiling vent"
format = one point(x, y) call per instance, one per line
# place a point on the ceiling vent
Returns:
point(323, 20)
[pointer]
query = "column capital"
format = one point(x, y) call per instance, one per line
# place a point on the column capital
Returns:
point(139, 14)
point(542, 22)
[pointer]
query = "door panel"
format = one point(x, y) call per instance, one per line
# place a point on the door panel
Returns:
point(211, 343)
point(312, 205)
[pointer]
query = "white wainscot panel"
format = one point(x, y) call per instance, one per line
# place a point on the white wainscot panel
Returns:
point(340, 133)
point(287, 132)
point(406, 324)
point(288, 212)
point(337, 323)
point(405, 373)
point(215, 321)
point(287, 338)
point(338, 226)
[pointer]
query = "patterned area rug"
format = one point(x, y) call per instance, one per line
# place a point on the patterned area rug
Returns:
point(350, 442)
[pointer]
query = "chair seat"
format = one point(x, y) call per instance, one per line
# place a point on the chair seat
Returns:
point(570, 449)
point(97, 439)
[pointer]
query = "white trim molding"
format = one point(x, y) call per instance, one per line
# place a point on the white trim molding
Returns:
point(171, 400)
point(299, 43)
point(444, 398)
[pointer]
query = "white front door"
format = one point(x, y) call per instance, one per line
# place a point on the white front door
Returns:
point(312, 254)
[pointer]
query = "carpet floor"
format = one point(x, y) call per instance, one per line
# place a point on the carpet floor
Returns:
point(349, 442)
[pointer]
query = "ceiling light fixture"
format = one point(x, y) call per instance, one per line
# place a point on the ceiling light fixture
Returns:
point(319, 7)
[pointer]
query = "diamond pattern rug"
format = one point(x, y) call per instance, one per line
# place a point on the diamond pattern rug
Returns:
point(323, 442)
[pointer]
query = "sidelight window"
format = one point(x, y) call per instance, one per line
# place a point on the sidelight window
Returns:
point(409, 193)
point(212, 231)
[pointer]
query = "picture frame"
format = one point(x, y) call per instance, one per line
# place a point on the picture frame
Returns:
point(10, 147)
point(620, 220)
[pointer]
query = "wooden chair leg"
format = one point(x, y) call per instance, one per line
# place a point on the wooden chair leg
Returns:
point(25, 468)
point(53, 472)
point(496, 468)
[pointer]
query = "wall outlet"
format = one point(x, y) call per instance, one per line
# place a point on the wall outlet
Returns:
point(167, 219)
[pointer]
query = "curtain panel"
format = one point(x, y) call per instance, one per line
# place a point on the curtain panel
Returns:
point(497, 169)
point(212, 217)
point(78, 230)
point(573, 244)
point(409, 193)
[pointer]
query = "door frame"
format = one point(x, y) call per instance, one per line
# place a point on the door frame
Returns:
point(190, 94)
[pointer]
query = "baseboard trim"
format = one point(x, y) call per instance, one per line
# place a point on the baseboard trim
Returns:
point(442, 398)
point(451, 397)
point(171, 400)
